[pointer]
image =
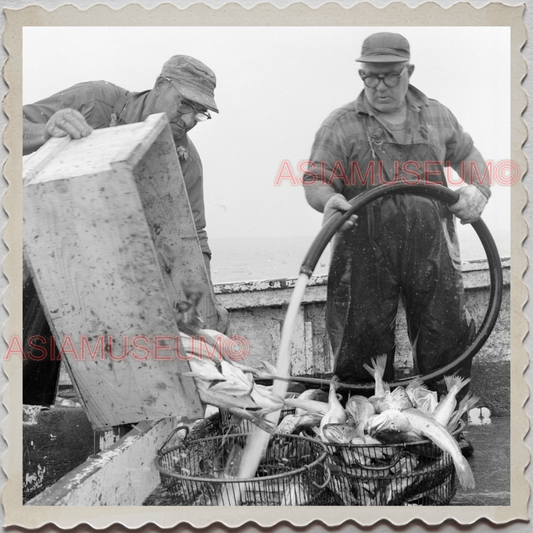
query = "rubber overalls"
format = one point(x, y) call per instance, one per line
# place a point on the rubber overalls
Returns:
point(404, 247)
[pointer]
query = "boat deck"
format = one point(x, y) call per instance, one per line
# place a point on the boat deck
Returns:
point(491, 463)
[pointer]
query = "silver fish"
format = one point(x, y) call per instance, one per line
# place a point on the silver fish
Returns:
point(438, 434)
point(335, 413)
point(294, 424)
point(421, 397)
point(359, 409)
point(444, 410)
point(467, 403)
point(392, 427)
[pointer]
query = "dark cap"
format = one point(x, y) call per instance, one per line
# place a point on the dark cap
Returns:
point(385, 47)
point(193, 80)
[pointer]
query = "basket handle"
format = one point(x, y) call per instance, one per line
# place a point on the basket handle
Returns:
point(172, 433)
point(378, 468)
point(328, 477)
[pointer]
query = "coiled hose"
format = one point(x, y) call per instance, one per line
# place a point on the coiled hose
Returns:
point(447, 196)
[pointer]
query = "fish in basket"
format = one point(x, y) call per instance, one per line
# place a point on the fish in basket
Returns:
point(202, 471)
point(396, 447)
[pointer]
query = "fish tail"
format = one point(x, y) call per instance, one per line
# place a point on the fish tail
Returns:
point(370, 370)
point(416, 383)
point(467, 403)
point(464, 473)
point(378, 366)
point(455, 381)
point(381, 363)
point(333, 390)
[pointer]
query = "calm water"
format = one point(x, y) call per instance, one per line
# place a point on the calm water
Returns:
point(243, 259)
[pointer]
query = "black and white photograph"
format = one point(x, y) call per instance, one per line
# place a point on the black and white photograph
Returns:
point(268, 265)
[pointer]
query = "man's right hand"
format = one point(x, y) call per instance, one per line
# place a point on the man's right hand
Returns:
point(67, 122)
point(338, 203)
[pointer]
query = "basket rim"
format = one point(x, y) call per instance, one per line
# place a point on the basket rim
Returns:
point(458, 430)
point(319, 461)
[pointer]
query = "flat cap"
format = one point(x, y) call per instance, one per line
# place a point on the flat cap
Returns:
point(385, 47)
point(193, 80)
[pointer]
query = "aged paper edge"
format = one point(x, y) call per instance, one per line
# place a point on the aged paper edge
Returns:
point(397, 14)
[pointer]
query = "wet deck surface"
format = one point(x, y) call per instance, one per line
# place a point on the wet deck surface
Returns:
point(490, 464)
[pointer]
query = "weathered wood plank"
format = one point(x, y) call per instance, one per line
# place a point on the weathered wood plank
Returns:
point(168, 212)
point(92, 256)
point(125, 474)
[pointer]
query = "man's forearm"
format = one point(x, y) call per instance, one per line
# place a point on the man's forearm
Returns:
point(474, 172)
point(33, 136)
point(317, 195)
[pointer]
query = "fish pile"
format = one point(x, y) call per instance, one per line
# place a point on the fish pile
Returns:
point(220, 381)
point(367, 429)
point(227, 384)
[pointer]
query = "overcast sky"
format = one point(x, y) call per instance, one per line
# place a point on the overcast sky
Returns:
point(275, 86)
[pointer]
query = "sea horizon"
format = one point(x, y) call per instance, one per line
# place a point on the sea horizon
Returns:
point(238, 259)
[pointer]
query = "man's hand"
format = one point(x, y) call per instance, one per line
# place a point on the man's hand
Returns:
point(470, 205)
point(223, 318)
point(337, 203)
point(67, 122)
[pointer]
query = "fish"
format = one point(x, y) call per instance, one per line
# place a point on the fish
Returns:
point(311, 406)
point(467, 403)
point(392, 427)
point(411, 424)
point(421, 397)
point(383, 399)
point(359, 409)
point(237, 382)
point(265, 398)
point(357, 454)
point(397, 399)
point(231, 468)
point(439, 435)
point(377, 370)
point(295, 494)
point(335, 413)
point(293, 424)
point(446, 407)
point(243, 407)
point(340, 485)
point(317, 395)
point(339, 433)
point(398, 487)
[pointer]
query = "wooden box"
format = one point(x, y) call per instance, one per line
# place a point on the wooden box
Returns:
point(109, 239)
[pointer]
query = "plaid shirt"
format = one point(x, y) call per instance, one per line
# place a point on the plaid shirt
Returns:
point(342, 154)
point(95, 100)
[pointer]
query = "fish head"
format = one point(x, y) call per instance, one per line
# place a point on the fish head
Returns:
point(389, 421)
point(339, 433)
point(401, 398)
point(359, 408)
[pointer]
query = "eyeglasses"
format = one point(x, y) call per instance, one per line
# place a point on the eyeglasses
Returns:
point(186, 107)
point(390, 80)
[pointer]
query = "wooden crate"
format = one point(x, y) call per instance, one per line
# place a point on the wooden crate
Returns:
point(109, 239)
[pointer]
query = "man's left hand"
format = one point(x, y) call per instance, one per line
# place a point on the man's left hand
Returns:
point(222, 318)
point(470, 205)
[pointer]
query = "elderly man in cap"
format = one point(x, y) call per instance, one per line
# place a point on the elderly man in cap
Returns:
point(184, 91)
point(402, 246)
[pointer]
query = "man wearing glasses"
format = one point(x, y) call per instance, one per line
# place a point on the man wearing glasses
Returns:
point(402, 245)
point(184, 91)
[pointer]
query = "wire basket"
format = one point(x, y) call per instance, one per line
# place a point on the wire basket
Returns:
point(417, 473)
point(201, 471)
point(234, 424)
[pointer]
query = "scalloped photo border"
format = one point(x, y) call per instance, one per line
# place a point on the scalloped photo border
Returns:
point(397, 14)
